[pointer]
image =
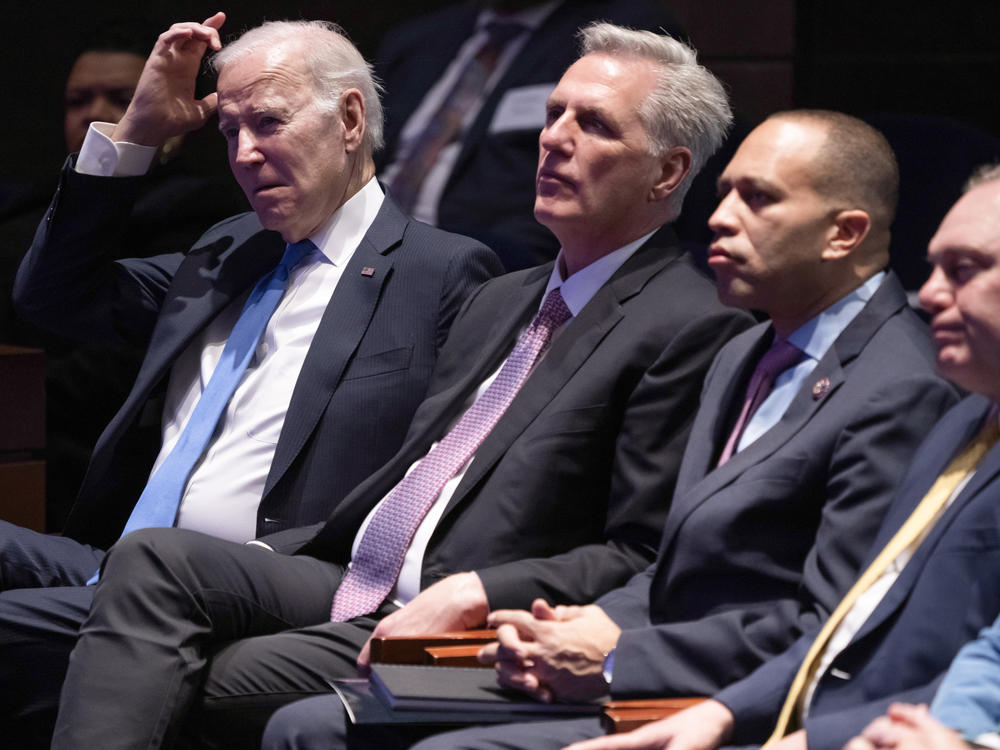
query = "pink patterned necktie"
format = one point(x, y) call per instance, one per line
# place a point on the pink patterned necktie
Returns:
point(775, 361)
point(383, 546)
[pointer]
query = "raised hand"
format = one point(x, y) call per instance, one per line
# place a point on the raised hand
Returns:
point(164, 104)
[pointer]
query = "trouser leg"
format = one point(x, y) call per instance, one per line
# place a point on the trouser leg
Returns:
point(320, 723)
point(539, 735)
point(167, 600)
point(32, 560)
point(38, 629)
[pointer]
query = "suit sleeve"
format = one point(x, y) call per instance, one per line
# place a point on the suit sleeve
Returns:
point(647, 450)
point(467, 271)
point(969, 698)
point(866, 460)
point(69, 283)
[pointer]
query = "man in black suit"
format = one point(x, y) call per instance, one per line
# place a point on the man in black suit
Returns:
point(481, 183)
point(562, 493)
point(768, 523)
point(343, 363)
point(898, 635)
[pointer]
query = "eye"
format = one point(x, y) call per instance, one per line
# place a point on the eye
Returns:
point(755, 198)
point(594, 124)
point(552, 113)
point(962, 270)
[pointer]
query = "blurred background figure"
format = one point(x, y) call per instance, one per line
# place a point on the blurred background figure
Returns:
point(84, 386)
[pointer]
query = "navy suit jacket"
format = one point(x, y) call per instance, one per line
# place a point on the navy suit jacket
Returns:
point(566, 496)
point(366, 371)
point(490, 194)
point(945, 594)
point(759, 549)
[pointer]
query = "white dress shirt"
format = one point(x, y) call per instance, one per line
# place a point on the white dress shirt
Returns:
point(577, 291)
point(224, 490)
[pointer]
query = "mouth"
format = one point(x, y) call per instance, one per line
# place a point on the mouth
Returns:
point(551, 178)
point(718, 256)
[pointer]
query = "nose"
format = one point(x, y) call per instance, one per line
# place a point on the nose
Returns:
point(936, 293)
point(721, 220)
point(557, 136)
point(247, 151)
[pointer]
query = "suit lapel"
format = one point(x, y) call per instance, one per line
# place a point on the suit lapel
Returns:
point(338, 335)
point(957, 437)
point(571, 349)
point(227, 269)
point(807, 402)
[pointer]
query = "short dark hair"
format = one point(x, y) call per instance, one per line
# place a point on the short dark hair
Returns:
point(855, 163)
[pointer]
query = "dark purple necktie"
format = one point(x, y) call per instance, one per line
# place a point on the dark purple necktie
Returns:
point(775, 361)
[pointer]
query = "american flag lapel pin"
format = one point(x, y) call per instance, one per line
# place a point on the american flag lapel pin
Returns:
point(367, 271)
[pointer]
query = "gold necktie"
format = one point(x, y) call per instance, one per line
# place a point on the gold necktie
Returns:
point(922, 515)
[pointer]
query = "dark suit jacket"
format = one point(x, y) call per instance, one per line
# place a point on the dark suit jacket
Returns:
point(566, 496)
point(945, 594)
point(764, 546)
point(491, 192)
point(364, 375)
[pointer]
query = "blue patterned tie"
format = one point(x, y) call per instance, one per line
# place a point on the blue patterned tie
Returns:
point(157, 505)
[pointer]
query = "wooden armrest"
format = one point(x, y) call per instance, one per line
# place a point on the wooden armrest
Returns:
point(407, 649)
point(624, 716)
point(454, 656)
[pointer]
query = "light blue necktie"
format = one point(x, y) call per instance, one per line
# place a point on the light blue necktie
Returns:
point(157, 505)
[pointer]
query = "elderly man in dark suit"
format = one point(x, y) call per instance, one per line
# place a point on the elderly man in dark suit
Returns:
point(540, 464)
point(340, 366)
point(929, 582)
point(775, 505)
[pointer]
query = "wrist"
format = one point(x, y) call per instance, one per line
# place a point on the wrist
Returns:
point(475, 606)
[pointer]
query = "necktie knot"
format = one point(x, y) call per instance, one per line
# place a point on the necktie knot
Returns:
point(782, 355)
point(295, 253)
point(553, 312)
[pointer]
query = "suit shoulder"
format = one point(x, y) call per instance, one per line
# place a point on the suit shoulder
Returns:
point(239, 227)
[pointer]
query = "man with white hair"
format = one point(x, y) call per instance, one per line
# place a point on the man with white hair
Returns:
point(539, 465)
point(328, 382)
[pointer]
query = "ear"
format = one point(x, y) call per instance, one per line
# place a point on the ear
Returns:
point(674, 165)
point(847, 232)
point(352, 115)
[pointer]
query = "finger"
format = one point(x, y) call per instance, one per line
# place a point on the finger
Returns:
point(364, 659)
point(488, 654)
point(510, 646)
point(859, 743)
point(525, 622)
point(542, 610)
point(207, 106)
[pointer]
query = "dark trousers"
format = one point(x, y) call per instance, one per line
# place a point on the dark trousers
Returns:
point(42, 602)
point(194, 640)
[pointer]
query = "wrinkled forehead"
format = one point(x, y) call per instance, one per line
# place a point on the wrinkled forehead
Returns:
point(269, 71)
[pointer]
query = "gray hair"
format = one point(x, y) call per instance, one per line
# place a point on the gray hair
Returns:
point(332, 60)
point(981, 175)
point(688, 107)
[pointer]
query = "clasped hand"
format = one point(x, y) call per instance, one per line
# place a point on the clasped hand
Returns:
point(553, 653)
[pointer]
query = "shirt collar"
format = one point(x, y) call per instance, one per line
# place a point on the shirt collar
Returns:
point(817, 336)
point(578, 289)
point(340, 235)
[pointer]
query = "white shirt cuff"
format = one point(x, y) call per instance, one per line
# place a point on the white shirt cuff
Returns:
point(102, 157)
point(259, 543)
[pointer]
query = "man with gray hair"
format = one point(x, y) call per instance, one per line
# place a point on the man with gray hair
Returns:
point(807, 424)
point(538, 465)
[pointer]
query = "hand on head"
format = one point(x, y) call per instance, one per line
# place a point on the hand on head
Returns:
point(164, 103)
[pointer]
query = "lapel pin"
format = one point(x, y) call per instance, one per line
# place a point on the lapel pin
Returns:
point(821, 388)
point(367, 271)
